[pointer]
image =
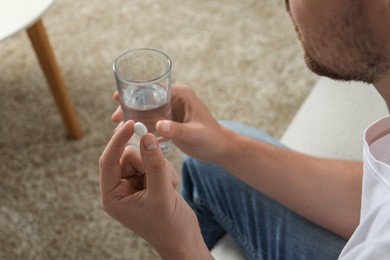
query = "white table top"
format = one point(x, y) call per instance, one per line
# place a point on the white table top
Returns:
point(16, 15)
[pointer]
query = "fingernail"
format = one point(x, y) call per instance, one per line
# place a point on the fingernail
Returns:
point(165, 127)
point(150, 143)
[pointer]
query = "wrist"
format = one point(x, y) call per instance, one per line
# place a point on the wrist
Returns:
point(193, 250)
point(229, 144)
point(189, 244)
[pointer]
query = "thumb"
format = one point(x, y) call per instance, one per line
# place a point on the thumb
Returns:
point(157, 172)
point(173, 130)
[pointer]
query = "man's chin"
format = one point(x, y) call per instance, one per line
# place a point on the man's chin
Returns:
point(332, 73)
point(322, 70)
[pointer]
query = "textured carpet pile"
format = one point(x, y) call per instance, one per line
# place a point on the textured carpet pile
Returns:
point(241, 57)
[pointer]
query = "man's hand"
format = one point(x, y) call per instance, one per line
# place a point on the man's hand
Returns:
point(193, 129)
point(138, 190)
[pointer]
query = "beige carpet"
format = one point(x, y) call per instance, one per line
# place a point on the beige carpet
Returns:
point(241, 57)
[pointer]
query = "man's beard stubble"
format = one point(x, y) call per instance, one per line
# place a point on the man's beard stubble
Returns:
point(364, 63)
point(356, 54)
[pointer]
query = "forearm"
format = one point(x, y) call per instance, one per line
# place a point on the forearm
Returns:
point(327, 192)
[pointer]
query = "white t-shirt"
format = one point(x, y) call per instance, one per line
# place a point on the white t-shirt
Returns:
point(371, 239)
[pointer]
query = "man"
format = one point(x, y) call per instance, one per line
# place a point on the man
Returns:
point(242, 183)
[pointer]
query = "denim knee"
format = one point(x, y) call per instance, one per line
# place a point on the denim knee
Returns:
point(192, 173)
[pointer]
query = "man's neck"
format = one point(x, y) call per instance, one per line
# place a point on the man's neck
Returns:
point(382, 85)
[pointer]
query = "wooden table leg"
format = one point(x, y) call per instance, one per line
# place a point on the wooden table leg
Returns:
point(43, 50)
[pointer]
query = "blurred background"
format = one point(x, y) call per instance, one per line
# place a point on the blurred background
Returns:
point(241, 57)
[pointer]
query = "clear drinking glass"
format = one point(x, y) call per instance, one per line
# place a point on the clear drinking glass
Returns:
point(143, 79)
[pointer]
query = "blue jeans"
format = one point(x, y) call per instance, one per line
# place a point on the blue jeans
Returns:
point(263, 228)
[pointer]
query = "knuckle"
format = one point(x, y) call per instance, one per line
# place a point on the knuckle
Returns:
point(132, 150)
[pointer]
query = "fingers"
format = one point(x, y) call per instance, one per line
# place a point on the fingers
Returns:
point(119, 126)
point(131, 162)
point(174, 176)
point(157, 172)
point(117, 116)
point(116, 96)
point(110, 169)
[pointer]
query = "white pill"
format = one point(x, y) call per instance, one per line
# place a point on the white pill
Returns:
point(140, 129)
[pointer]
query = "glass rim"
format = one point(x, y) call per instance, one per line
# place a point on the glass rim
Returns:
point(163, 75)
